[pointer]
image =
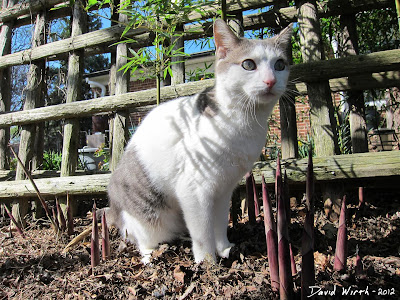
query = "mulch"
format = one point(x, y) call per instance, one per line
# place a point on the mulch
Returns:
point(37, 268)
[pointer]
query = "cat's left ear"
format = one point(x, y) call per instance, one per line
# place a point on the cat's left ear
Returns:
point(283, 39)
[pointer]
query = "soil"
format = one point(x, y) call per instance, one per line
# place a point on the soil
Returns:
point(37, 268)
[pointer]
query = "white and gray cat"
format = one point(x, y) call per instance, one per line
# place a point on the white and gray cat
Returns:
point(182, 164)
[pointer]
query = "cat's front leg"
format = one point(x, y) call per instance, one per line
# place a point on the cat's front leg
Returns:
point(221, 221)
point(199, 221)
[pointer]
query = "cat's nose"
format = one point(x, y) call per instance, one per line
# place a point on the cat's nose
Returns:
point(270, 82)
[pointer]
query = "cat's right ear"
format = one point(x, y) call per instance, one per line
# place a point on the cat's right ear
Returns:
point(224, 38)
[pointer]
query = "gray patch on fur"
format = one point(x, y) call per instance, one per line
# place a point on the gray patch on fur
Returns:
point(206, 103)
point(130, 189)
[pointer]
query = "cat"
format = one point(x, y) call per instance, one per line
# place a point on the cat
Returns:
point(182, 164)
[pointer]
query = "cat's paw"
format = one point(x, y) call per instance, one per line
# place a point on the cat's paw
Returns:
point(224, 252)
point(146, 256)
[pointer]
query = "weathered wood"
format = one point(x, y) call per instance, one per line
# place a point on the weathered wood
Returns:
point(108, 36)
point(321, 107)
point(74, 93)
point(350, 167)
point(331, 168)
point(145, 98)
point(5, 86)
point(103, 36)
point(178, 64)
point(57, 186)
point(120, 130)
point(348, 45)
point(26, 8)
point(285, 15)
point(287, 112)
point(314, 71)
point(35, 85)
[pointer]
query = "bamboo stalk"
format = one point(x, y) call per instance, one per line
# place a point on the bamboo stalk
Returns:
point(255, 196)
point(61, 218)
point(272, 238)
point(285, 274)
point(17, 226)
point(307, 246)
point(70, 218)
point(292, 261)
point(250, 198)
point(94, 241)
point(105, 239)
point(341, 241)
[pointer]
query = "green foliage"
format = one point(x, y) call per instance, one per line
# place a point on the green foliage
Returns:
point(52, 160)
point(304, 145)
point(200, 73)
point(105, 153)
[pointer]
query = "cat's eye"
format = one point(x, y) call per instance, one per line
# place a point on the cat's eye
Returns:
point(280, 65)
point(249, 65)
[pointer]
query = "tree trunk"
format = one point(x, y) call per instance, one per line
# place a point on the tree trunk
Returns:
point(348, 45)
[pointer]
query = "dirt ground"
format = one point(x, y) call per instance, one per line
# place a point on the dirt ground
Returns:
point(36, 268)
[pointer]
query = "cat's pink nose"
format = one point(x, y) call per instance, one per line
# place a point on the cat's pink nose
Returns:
point(270, 82)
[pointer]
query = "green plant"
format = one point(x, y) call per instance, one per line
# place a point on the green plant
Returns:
point(200, 73)
point(304, 146)
point(163, 18)
point(52, 160)
point(105, 153)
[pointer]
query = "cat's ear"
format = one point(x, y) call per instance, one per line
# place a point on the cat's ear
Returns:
point(225, 39)
point(283, 39)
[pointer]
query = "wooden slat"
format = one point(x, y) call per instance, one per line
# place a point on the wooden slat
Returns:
point(339, 167)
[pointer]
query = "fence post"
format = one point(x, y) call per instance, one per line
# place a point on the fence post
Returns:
point(321, 113)
point(287, 111)
point(319, 94)
point(348, 45)
point(34, 90)
point(178, 69)
point(74, 93)
point(120, 130)
point(5, 87)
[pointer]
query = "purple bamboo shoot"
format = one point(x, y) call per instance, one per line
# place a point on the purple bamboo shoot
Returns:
point(341, 242)
point(285, 274)
point(272, 238)
point(250, 198)
point(70, 218)
point(61, 218)
point(105, 239)
point(55, 218)
point(94, 242)
point(256, 206)
point(307, 246)
point(361, 201)
point(17, 226)
point(359, 264)
point(292, 262)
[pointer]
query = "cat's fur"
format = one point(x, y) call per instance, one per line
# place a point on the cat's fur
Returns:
point(181, 166)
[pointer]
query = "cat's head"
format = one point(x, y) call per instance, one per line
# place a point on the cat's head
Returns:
point(258, 69)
